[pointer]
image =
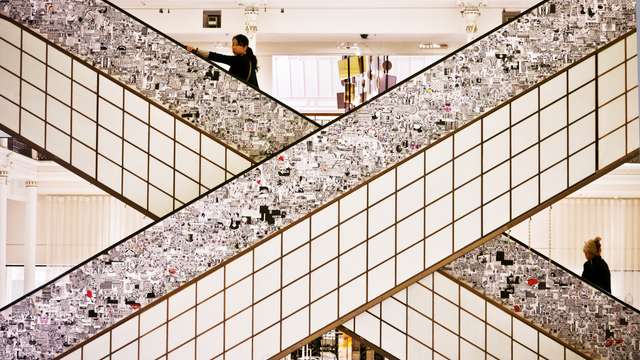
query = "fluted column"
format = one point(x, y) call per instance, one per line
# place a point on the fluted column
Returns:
point(4, 192)
point(30, 235)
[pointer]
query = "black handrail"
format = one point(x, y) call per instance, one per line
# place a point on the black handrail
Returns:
point(272, 156)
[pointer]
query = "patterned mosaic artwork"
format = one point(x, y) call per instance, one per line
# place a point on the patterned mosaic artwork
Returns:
point(191, 87)
point(307, 175)
point(552, 297)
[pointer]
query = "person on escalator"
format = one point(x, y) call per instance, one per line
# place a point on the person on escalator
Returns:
point(243, 63)
point(595, 269)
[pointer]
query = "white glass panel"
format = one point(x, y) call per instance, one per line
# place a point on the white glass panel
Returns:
point(439, 154)
point(153, 344)
point(553, 149)
point(235, 163)
point(85, 76)
point(382, 187)
point(187, 162)
point(238, 297)
point(467, 138)
point(525, 334)
point(524, 134)
point(394, 341)
point(153, 317)
point(10, 32)
point(58, 143)
point(211, 175)
point(297, 327)
point(266, 281)
point(410, 199)
point(439, 182)
point(240, 352)
point(410, 230)
point(10, 86)
point(633, 136)
point(34, 46)
point(632, 73)
point(611, 56)
point(582, 164)
point(582, 101)
point(381, 247)
point(632, 45)
point(33, 100)
point(184, 352)
point(611, 84)
point(439, 214)
point(438, 246)
point(495, 122)
point(445, 342)
point(525, 197)
point(550, 349)
point(323, 309)
point(524, 106)
point(76, 355)
point(582, 133)
point(353, 263)
point(295, 264)
point(467, 198)
point(410, 262)
point(11, 114)
point(472, 303)
point(611, 116)
point(445, 287)
point(111, 91)
point(553, 118)
point(553, 89)
point(83, 158)
point(58, 114)
point(295, 236)
point(380, 215)
point(472, 329)
point(210, 313)
point(496, 214)
point(495, 151)
point(353, 232)
point(136, 132)
point(498, 344)
point(182, 329)
point(109, 174)
point(32, 128)
point(495, 182)
point(127, 353)
point(238, 268)
point(58, 60)
point(96, 349)
point(210, 344)
point(84, 101)
point(498, 318)
point(136, 106)
point(445, 313)
point(410, 170)
point(110, 117)
point(266, 312)
point(324, 220)
point(521, 352)
point(237, 328)
point(59, 86)
point(161, 147)
point(135, 160)
point(162, 121)
point(84, 129)
point(419, 327)
point(134, 189)
point(159, 202)
point(210, 285)
point(353, 203)
point(213, 151)
point(352, 295)
point(582, 73)
point(368, 327)
point(267, 343)
point(553, 181)
point(34, 71)
point(324, 248)
point(467, 230)
point(266, 252)
point(611, 148)
point(467, 167)
point(324, 279)
point(187, 136)
point(524, 166)
point(110, 146)
point(632, 104)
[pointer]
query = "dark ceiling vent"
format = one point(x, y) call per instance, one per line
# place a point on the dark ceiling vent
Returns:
point(212, 19)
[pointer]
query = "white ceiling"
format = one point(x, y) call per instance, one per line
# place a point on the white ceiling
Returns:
point(314, 4)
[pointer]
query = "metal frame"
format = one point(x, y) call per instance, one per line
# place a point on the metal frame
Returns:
point(402, 284)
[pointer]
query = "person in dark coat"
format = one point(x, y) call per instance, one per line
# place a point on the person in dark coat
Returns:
point(595, 269)
point(242, 64)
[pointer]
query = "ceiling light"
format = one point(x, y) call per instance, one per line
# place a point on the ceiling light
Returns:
point(432, 46)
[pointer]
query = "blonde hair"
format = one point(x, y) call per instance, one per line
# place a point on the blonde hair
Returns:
point(592, 247)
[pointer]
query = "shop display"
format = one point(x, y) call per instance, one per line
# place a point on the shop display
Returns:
point(288, 186)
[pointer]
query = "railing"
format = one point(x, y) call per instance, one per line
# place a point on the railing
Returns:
point(330, 165)
point(538, 289)
point(442, 316)
point(197, 90)
point(104, 131)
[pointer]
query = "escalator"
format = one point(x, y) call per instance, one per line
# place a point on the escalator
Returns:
point(304, 241)
point(503, 300)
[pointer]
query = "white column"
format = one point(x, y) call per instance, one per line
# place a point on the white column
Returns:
point(30, 235)
point(4, 191)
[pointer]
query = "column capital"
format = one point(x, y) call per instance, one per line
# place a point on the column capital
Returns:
point(4, 173)
point(31, 183)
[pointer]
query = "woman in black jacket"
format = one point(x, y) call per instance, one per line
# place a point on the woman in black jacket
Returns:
point(243, 64)
point(595, 269)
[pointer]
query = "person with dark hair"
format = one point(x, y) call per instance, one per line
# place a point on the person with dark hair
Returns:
point(595, 269)
point(243, 64)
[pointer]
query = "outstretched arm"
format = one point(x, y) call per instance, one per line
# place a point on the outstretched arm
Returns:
point(214, 56)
